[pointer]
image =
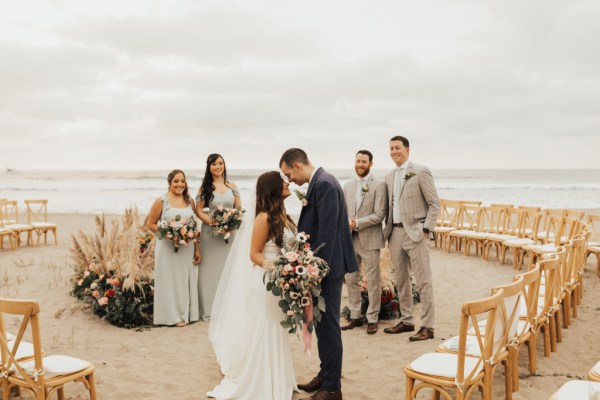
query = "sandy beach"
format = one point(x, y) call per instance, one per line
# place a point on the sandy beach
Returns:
point(178, 363)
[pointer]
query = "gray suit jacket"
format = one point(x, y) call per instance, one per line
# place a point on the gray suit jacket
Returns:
point(372, 210)
point(419, 201)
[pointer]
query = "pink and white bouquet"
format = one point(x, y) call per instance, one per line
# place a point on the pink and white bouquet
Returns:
point(181, 231)
point(295, 276)
point(225, 220)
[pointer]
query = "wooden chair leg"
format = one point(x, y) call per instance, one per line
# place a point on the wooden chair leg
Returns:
point(557, 320)
point(92, 384)
point(547, 346)
point(410, 383)
point(532, 353)
point(552, 326)
point(508, 378)
point(61, 393)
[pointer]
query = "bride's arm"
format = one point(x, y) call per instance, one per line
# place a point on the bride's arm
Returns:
point(260, 236)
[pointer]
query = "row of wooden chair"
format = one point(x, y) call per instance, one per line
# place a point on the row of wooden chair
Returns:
point(538, 302)
point(25, 366)
point(524, 231)
point(37, 222)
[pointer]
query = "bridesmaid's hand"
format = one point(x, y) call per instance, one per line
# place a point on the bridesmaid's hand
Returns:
point(197, 257)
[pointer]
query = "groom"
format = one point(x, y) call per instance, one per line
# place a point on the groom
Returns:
point(325, 219)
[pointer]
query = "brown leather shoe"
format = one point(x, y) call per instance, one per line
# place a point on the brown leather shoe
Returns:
point(401, 327)
point(372, 328)
point(353, 323)
point(325, 395)
point(313, 385)
point(423, 334)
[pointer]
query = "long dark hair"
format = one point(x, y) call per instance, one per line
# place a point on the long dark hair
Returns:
point(207, 188)
point(269, 187)
point(171, 176)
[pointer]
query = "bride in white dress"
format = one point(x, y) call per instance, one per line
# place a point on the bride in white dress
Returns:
point(252, 348)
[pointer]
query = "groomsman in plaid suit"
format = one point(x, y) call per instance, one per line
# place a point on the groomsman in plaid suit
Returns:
point(366, 201)
point(413, 209)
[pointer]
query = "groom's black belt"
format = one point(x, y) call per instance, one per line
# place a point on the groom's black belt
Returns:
point(398, 225)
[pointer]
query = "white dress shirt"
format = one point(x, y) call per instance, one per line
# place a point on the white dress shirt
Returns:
point(398, 183)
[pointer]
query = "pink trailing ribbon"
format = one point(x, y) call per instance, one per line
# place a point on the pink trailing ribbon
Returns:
point(306, 335)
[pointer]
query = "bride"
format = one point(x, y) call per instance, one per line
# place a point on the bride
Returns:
point(252, 348)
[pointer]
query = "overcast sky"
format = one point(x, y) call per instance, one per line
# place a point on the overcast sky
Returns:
point(117, 84)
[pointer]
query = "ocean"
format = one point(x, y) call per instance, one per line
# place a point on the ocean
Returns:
point(112, 191)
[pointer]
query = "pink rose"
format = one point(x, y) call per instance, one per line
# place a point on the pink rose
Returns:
point(290, 313)
point(86, 273)
point(96, 293)
point(80, 282)
point(291, 256)
point(103, 301)
point(115, 282)
point(190, 234)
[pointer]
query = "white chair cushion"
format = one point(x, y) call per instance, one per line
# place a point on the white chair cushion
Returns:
point(18, 226)
point(502, 236)
point(43, 225)
point(2, 229)
point(596, 368)
point(460, 232)
point(580, 390)
point(444, 229)
point(594, 248)
point(58, 365)
point(443, 364)
point(478, 235)
point(518, 242)
point(590, 243)
point(544, 248)
point(25, 349)
point(472, 345)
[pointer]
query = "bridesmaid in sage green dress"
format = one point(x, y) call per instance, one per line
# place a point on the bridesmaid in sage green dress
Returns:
point(215, 190)
point(175, 288)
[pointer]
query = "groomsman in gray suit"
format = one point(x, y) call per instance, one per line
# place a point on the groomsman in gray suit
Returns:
point(414, 208)
point(366, 201)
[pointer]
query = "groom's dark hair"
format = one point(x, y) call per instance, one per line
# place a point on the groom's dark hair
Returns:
point(292, 156)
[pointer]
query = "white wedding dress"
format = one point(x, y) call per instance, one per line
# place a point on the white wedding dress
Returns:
point(252, 348)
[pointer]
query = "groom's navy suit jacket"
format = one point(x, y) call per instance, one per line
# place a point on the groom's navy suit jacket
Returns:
point(325, 219)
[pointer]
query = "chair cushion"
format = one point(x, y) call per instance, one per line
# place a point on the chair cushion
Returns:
point(472, 345)
point(443, 364)
point(43, 225)
point(2, 229)
point(518, 242)
point(596, 368)
point(25, 349)
point(58, 365)
point(444, 229)
point(594, 249)
point(580, 390)
point(501, 236)
point(17, 227)
point(544, 248)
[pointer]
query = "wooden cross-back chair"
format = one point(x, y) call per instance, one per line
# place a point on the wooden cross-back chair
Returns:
point(490, 223)
point(468, 217)
point(37, 217)
point(445, 372)
point(527, 229)
point(525, 334)
point(446, 222)
point(506, 330)
point(593, 246)
point(550, 292)
point(594, 374)
point(42, 376)
point(544, 319)
point(10, 213)
point(578, 270)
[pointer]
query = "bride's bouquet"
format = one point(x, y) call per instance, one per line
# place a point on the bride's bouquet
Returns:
point(181, 231)
point(225, 220)
point(295, 276)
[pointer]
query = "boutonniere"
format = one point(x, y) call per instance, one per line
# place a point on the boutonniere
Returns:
point(302, 197)
point(409, 175)
point(365, 188)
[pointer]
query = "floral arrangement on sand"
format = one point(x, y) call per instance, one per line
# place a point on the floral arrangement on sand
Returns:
point(114, 270)
point(389, 295)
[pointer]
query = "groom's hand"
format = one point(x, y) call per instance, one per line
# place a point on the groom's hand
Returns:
point(352, 222)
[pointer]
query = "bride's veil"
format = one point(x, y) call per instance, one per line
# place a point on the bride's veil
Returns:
point(232, 308)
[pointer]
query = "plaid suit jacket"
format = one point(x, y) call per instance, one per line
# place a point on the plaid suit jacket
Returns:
point(419, 201)
point(370, 213)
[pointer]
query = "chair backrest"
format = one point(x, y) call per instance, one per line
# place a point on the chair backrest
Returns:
point(9, 212)
point(554, 229)
point(578, 256)
point(531, 290)
point(468, 216)
point(511, 221)
point(529, 220)
point(491, 219)
point(548, 270)
point(564, 266)
point(594, 226)
point(470, 202)
point(37, 211)
point(502, 205)
point(508, 324)
point(28, 311)
point(448, 213)
point(575, 214)
point(530, 208)
point(472, 313)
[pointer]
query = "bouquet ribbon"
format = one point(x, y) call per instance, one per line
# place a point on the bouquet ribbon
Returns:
point(306, 335)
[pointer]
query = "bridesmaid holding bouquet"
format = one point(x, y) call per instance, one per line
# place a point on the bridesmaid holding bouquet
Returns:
point(175, 288)
point(216, 191)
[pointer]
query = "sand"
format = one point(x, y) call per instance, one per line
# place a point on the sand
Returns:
point(178, 363)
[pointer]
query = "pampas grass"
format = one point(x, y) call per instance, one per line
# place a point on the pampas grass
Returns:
point(114, 250)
